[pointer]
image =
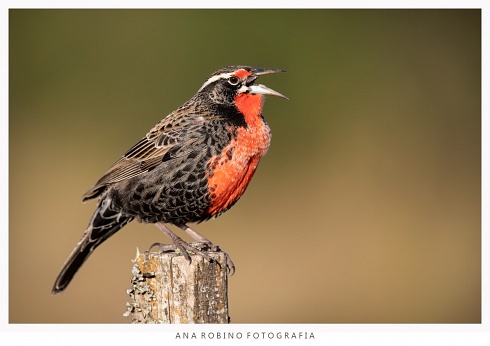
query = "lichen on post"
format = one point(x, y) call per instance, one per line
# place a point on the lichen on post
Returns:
point(166, 288)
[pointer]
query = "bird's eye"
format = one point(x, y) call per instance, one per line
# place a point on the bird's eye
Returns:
point(233, 80)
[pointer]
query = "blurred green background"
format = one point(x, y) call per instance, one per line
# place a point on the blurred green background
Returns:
point(366, 208)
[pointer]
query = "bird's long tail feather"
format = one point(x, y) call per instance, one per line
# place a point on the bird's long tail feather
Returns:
point(104, 223)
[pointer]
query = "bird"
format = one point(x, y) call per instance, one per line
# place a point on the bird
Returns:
point(190, 167)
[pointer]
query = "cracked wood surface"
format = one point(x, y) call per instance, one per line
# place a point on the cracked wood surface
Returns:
point(166, 288)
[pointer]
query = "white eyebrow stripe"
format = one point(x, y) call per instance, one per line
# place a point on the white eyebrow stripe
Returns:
point(215, 78)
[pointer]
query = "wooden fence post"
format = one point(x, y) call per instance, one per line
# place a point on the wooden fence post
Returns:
point(166, 288)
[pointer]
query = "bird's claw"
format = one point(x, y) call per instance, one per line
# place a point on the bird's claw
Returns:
point(230, 265)
point(198, 249)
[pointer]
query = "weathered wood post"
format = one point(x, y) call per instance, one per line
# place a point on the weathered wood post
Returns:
point(166, 288)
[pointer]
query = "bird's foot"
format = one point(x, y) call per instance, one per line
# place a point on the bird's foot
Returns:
point(183, 247)
point(210, 247)
point(229, 264)
point(199, 248)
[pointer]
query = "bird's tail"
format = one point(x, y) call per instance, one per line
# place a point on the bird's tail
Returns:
point(104, 223)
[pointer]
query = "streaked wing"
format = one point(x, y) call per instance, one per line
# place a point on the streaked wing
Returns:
point(148, 152)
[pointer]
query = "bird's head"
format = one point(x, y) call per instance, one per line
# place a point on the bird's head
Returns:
point(235, 86)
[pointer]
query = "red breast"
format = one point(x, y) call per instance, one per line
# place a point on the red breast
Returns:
point(231, 172)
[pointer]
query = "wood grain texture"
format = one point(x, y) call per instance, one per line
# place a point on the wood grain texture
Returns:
point(166, 288)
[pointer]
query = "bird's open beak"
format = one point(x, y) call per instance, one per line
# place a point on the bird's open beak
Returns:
point(263, 90)
point(260, 88)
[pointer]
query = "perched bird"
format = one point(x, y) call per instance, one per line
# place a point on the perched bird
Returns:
point(192, 166)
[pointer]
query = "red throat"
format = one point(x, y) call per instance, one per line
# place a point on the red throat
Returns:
point(250, 106)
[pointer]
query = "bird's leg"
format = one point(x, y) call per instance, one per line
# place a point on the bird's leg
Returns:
point(178, 243)
point(209, 245)
point(198, 237)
